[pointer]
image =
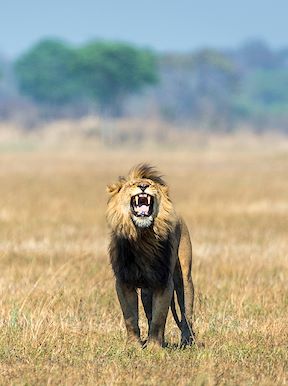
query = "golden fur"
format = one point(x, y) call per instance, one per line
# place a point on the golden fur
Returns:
point(151, 252)
point(119, 217)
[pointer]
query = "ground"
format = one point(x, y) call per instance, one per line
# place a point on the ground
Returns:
point(60, 319)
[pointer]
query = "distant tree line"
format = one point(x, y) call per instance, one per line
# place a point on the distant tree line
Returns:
point(226, 89)
point(220, 89)
point(53, 73)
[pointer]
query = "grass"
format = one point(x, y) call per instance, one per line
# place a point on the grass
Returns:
point(60, 319)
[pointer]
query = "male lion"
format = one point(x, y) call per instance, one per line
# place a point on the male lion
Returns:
point(150, 249)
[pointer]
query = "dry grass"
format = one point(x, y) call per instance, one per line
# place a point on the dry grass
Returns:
point(60, 320)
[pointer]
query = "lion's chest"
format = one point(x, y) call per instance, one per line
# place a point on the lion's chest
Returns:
point(142, 267)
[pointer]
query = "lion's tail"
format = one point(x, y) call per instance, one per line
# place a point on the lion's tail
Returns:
point(174, 312)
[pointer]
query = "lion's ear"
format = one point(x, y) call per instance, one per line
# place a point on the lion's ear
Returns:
point(115, 187)
point(112, 188)
point(165, 190)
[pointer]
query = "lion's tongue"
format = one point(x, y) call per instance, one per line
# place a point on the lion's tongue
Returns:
point(143, 209)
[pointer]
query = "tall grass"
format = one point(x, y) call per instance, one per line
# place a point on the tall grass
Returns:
point(60, 319)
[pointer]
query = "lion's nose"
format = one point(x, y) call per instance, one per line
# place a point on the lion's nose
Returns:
point(143, 186)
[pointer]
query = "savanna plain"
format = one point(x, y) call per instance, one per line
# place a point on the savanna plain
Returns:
point(59, 315)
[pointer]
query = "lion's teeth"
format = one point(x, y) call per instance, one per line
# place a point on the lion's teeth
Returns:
point(136, 199)
point(149, 198)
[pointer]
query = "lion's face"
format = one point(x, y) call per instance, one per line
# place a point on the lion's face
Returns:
point(142, 199)
point(139, 199)
point(139, 202)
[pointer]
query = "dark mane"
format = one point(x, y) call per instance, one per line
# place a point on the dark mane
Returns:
point(144, 265)
point(143, 170)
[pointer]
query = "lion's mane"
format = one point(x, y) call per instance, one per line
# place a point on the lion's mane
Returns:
point(119, 219)
point(140, 257)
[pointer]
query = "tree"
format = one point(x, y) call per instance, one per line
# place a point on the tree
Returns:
point(198, 86)
point(256, 54)
point(56, 74)
point(109, 71)
point(46, 73)
point(264, 98)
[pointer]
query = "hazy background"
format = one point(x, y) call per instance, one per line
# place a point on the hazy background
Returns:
point(192, 66)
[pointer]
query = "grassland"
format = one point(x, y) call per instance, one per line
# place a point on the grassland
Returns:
point(60, 320)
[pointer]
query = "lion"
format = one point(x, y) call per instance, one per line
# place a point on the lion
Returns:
point(150, 250)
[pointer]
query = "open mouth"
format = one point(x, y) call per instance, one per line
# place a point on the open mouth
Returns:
point(142, 205)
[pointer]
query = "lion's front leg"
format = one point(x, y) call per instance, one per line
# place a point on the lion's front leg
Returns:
point(128, 300)
point(160, 306)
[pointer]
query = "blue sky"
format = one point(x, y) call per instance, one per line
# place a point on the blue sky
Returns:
point(181, 25)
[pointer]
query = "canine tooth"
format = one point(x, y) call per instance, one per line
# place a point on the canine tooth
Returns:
point(149, 198)
point(136, 199)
